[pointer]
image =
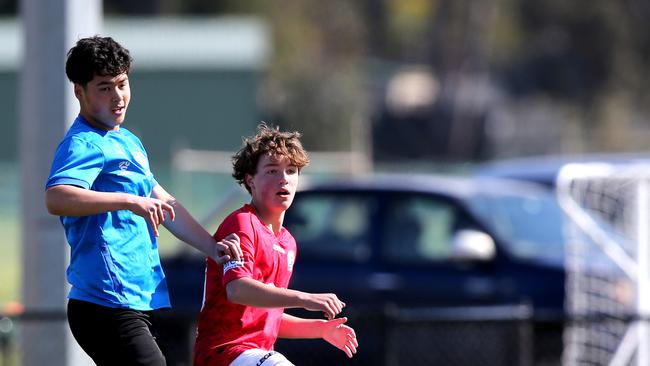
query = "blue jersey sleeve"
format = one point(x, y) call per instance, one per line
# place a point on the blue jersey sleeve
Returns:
point(76, 162)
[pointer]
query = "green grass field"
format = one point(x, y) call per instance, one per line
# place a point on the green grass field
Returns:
point(10, 258)
point(10, 229)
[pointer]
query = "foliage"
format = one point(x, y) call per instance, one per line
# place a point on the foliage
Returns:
point(587, 59)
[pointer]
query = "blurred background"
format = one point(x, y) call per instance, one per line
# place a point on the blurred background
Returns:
point(393, 85)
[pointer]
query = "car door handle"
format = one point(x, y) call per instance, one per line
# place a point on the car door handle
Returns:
point(384, 281)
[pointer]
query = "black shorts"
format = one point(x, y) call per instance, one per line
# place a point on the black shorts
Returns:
point(113, 336)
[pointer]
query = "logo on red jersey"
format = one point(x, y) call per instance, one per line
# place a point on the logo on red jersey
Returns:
point(232, 264)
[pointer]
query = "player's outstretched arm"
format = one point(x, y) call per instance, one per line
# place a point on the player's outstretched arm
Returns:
point(334, 331)
point(250, 292)
point(188, 230)
point(67, 200)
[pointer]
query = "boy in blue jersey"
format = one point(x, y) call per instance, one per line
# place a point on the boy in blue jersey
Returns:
point(111, 207)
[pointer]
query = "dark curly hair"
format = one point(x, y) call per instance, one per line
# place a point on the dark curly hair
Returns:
point(267, 142)
point(96, 55)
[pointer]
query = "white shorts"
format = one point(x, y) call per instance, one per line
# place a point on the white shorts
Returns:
point(260, 357)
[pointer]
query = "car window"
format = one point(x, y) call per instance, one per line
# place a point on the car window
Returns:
point(418, 229)
point(530, 223)
point(328, 225)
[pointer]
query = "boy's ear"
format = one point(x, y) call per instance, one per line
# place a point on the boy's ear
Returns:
point(249, 180)
point(78, 89)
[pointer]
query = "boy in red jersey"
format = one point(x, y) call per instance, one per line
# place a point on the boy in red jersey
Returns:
point(244, 301)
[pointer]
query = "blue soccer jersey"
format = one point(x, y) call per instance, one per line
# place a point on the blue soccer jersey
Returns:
point(114, 257)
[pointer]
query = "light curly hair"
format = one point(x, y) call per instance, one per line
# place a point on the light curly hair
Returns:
point(270, 142)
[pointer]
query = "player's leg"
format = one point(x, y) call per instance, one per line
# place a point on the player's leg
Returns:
point(138, 339)
point(92, 328)
point(114, 336)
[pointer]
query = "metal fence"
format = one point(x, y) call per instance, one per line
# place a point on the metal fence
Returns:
point(7, 341)
point(493, 335)
point(10, 327)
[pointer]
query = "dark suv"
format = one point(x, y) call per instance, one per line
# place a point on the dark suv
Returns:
point(408, 249)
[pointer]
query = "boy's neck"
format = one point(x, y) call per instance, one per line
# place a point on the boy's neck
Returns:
point(97, 124)
point(271, 220)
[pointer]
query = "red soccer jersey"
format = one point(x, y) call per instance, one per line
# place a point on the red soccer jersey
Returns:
point(226, 329)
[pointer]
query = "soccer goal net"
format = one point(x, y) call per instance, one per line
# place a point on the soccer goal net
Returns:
point(608, 263)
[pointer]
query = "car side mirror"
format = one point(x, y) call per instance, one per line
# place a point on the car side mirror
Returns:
point(472, 245)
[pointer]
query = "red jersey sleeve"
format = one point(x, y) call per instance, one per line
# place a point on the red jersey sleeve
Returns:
point(240, 223)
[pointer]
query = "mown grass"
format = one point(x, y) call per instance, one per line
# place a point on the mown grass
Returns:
point(9, 231)
point(9, 259)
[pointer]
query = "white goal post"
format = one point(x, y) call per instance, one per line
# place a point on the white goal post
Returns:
point(608, 263)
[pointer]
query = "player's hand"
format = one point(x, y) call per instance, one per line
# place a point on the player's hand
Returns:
point(329, 304)
point(152, 210)
point(341, 336)
point(228, 249)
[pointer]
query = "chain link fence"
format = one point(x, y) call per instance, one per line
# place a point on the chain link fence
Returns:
point(491, 335)
point(392, 336)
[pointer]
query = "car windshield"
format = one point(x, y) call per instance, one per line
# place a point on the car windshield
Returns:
point(530, 223)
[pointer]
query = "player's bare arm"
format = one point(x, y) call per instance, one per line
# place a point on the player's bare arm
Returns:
point(67, 200)
point(187, 229)
point(334, 331)
point(250, 292)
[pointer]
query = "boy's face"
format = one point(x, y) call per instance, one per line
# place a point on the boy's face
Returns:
point(274, 184)
point(104, 100)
